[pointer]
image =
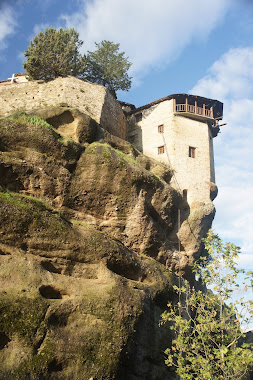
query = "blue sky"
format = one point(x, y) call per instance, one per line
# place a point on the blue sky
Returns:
point(203, 47)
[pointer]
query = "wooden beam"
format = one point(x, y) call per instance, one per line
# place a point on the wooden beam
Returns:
point(174, 105)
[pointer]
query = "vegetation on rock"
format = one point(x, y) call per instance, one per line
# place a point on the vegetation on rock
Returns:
point(23, 118)
point(54, 53)
point(107, 66)
point(207, 340)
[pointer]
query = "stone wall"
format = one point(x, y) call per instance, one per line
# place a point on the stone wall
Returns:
point(91, 99)
point(191, 174)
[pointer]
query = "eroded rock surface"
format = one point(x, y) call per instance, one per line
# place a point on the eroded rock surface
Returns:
point(89, 241)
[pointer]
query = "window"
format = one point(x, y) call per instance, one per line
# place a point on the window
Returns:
point(161, 149)
point(160, 128)
point(192, 152)
point(138, 117)
point(185, 194)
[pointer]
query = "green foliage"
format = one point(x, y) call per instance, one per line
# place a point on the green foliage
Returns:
point(23, 118)
point(53, 54)
point(107, 153)
point(208, 339)
point(108, 67)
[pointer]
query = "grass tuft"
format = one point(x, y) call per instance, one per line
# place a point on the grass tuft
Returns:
point(23, 118)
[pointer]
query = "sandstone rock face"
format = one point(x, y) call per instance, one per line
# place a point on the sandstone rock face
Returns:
point(70, 123)
point(89, 241)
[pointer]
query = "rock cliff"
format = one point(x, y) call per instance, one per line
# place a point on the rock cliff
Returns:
point(89, 251)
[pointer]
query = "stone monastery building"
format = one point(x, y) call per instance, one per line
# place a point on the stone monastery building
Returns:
point(177, 130)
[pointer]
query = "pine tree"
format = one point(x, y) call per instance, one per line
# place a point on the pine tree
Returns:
point(54, 54)
point(108, 67)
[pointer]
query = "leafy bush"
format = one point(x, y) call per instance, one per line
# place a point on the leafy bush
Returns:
point(208, 340)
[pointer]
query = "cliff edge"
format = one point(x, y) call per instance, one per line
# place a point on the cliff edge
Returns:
point(89, 250)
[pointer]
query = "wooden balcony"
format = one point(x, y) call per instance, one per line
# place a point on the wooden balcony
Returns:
point(193, 110)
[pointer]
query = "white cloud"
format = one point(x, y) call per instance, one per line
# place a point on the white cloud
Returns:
point(7, 24)
point(39, 28)
point(149, 32)
point(245, 261)
point(230, 79)
point(234, 217)
point(20, 56)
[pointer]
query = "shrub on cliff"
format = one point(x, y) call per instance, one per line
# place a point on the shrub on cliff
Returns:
point(54, 53)
point(108, 67)
point(208, 341)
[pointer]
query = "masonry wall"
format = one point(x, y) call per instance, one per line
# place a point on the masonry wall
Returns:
point(192, 174)
point(145, 134)
point(92, 99)
point(180, 133)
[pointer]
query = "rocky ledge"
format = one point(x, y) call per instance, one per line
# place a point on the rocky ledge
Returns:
point(89, 251)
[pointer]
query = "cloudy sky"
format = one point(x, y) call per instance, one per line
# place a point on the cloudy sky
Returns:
point(202, 47)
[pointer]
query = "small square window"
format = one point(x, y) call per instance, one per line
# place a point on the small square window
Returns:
point(138, 117)
point(160, 128)
point(192, 152)
point(161, 149)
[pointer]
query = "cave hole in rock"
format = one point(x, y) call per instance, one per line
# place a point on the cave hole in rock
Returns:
point(71, 167)
point(23, 246)
point(58, 320)
point(167, 176)
point(50, 267)
point(4, 340)
point(54, 366)
point(65, 118)
point(129, 271)
point(10, 179)
point(50, 292)
point(148, 166)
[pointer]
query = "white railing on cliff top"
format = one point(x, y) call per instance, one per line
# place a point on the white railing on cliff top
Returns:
point(202, 111)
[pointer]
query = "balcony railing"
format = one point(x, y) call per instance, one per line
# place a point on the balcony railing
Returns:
point(201, 111)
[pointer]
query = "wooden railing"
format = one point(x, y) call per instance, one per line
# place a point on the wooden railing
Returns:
point(202, 111)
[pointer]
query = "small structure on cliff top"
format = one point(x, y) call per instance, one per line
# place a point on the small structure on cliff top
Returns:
point(179, 130)
point(15, 78)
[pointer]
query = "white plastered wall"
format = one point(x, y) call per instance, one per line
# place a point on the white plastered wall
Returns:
point(180, 133)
